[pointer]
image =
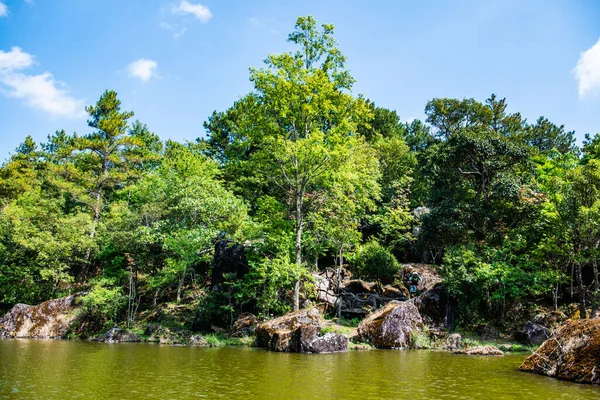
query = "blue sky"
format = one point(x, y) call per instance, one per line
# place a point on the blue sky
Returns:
point(174, 62)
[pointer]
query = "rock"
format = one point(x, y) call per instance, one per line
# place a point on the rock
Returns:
point(572, 353)
point(487, 332)
point(197, 340)
point(454, 341)
point(325, 290)
point(427, 272)
point(116, 335)
point(358, 286)
point(306, 339)
point(276, 333)
point(432, 306)
point(392, 292)
point(391, 326)
point(550, 319)
point(244, 325)
point(229, 258)
point(535, 334)
point(480, 351)
point(299, 332)
point(50, 319)
point(328, 343)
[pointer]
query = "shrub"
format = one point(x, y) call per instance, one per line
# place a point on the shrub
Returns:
point(373, 261)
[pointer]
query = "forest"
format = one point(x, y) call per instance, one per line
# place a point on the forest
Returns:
point(303, 174)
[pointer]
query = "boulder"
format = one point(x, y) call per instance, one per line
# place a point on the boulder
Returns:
point(306, 339)
point(391, 326)
point(572, 353)
point(244, 325)
point(50, 319)
point(197, 340)
point(116, 335)
point(535, 334)
point(480, 351)
point(299, 332)
point(328, 343)
point(432, 306)
point(274, 333)
point(550, 319)
point(454, 341)
point(395, 293)
point(325, 289)
point(358, 286)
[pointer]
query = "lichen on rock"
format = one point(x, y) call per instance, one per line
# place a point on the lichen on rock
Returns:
point(572, 353)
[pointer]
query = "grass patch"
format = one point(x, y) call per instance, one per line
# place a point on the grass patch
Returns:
point(344, 330)
point(360, 346)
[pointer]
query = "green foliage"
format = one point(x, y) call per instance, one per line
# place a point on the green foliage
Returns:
point(105, 301)
point(373, 261)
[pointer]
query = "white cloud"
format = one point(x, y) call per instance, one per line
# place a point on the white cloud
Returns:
point(174, 29)
point(42, 91)
point(197, 10)
point(14, 59)
point(3, 10)
point(587, 70)
point(142, 69)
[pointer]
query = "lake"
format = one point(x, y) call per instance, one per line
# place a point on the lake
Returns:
point(39, 369)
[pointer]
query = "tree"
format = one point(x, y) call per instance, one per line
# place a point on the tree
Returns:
point(95, 164)
point(295, 130)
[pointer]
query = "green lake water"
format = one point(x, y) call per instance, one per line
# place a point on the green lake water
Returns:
point(32, 369)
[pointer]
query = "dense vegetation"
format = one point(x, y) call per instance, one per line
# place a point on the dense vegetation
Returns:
point(305, 175)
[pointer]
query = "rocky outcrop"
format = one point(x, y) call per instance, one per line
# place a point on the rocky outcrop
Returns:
point(480, 351)
point(50, 319)
point(572, 353)
point(244, 325)
point(269, 333)
point(432, 305)
point(299, 332)
point(116, 335)
point(325, 289)
point(391, 326)
point(454, 342)
point(535, 334)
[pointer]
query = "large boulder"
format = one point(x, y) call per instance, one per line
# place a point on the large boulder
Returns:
point(116, 335)
point(454, 341)
point(276, 333)
point(572, 353)
point(432, 305)
point(391, 326)
point(244, 325)
point(299, 332)
point(534, 333)
point(49, 320)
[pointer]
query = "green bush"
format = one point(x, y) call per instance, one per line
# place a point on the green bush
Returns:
point(373, 261)
point(105, 301)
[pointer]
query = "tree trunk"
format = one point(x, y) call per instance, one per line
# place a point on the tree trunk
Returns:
point(299, 216)
point(339, 284)
point(596, 290)
point(582, 312)
point(180, 285)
